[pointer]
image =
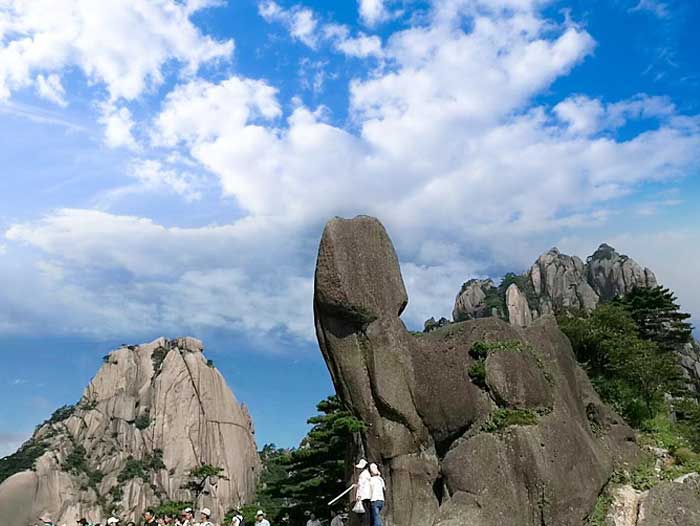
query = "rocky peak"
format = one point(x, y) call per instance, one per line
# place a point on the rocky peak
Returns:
point(153, 415)
point(476, 422)
point(611, 274)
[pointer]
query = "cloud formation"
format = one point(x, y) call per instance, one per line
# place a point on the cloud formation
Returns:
point(447, 143)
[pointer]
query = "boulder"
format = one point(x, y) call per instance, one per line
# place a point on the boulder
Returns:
point(515, 437)
point(470, 303)
point(611, 274)
point(672, 503)
point(560, 282)
point(519, 313)
point(160, 407)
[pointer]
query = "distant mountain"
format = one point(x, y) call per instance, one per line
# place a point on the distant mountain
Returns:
point(556, 282)
point(157, 423)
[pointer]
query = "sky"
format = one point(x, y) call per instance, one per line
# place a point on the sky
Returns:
point(168, 166)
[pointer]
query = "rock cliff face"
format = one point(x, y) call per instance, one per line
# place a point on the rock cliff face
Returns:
point(152, 415)
point(479, 422)
point(556, 281)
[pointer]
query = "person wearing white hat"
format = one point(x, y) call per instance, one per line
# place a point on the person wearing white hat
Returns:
point(260, 519)
point(187, 517)
point(205, 515)
point(112, 520)
point(363, 494)
point(378, 486)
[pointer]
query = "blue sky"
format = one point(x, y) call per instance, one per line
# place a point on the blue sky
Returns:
point(168, 168)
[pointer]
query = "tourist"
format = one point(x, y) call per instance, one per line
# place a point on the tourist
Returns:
point(363, 494)
point(112, 520)
point(237, 519)
point(149, 518)
point(84, 522)
point(46, 520)
point(205, 515)
point(336, 519)
point(131, 523)
point(377, 486)
point(313, 521)
point(260, 519)
point(187, 517)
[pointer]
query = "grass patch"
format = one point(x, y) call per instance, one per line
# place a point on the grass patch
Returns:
point(504, 418)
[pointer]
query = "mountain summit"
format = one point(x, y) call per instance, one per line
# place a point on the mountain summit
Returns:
point(157, 424)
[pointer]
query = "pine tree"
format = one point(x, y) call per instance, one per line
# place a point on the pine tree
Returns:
point(314, 473)
point(658, 317)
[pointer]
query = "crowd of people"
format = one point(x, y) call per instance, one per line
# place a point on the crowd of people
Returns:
point(187, 517)
point(369, 503)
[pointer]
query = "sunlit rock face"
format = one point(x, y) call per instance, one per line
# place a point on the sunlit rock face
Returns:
point(467, 430)
point(152, 415)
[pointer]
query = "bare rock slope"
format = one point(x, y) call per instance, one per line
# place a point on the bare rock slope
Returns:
point(152, 415)
point(480, 422)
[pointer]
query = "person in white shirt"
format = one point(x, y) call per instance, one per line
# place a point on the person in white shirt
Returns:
point(336, 519)
point(313, 521)
point(260, 519)
point(377, 487)
point(363, 493)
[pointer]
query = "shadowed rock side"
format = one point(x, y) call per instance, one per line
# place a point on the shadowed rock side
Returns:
point(151, 415)
point(450, 454)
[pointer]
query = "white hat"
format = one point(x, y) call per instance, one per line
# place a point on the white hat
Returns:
point(187, 510)
point(45, 518)
point(112, 520)
point(362, 464)
point(206, 511)
point(260, 512)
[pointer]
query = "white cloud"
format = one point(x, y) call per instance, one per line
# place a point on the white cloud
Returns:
point(154, 175)
point(300, 21)
point(660, 9)
point(118, 124)
point(372, 11)
point(303, 25)
point(587, 116)
point(50, 88)
point(446, 145)
point(361, 46)
point(122, 45)
point(177, 278)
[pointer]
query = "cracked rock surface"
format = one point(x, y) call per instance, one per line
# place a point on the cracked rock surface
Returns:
point(516, 438)
point(162, 400)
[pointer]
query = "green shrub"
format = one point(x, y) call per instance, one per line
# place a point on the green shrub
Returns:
point(133, 469)
point(142, 421)
point(158, 357)
point(23, 459)
point(477, 373)
point(172, 508)
point(210, 363)
point(503, 418)
point(600, 510)
point(60, 414)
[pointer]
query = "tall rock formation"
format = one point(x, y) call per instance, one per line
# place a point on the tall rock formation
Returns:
point(152, 415)
point(479, 422)
point(556, 282)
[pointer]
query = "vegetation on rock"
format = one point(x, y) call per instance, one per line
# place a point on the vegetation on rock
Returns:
point(305, 479)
